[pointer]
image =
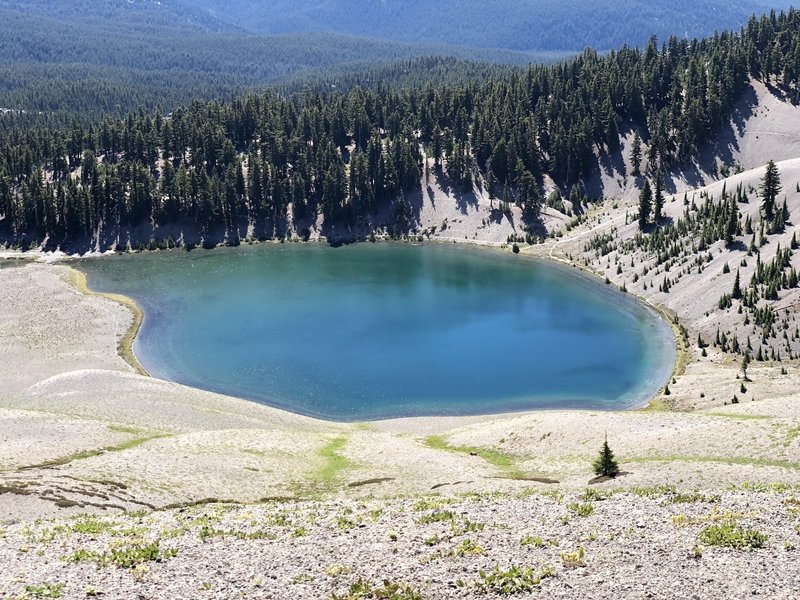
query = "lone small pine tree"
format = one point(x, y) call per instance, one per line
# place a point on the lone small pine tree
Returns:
point(605, 464)
point(770, 188)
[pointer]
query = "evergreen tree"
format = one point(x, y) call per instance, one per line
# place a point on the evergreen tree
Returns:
point(770, 188)
point(732, 226)
point(605, 465)
point(658, 196)
point(636, 155)
point(736, 294)
point(645, 204)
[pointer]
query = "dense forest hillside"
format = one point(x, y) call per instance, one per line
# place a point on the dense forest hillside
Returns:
point(89, 59)
point(130, 15)
point(566, 25)
point(274, 166)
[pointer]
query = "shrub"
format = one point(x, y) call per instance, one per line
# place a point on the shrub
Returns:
point(583, 509)
point(363, 590)
point(46, 590)
point(512, 581)
point(573, 560)
point(730, 535)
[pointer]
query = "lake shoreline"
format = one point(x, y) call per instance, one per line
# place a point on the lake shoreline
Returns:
point(670, 338)
point(77, 279)
point(74, 411)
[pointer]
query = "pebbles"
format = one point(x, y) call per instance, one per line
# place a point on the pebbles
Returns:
point(295, 550)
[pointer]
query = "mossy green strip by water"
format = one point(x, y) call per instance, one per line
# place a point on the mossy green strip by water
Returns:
point(125, 345)
point(503, 462)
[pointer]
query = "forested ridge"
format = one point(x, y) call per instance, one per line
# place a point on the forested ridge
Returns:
point(86, 59)
point(552, 25)
point(269, 164)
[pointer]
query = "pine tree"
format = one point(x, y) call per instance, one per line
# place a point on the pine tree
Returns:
point(732, 225)
point(736, 294)
point(645, 203)
point(636, 155)
point(605, 465)
point(658, 196)
point(770, 188)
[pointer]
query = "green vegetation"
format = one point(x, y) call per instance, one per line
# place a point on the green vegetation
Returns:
point(84, 454)
point(574, 559)
point(730, 535)
point(513, 580)
point(725, 460)
point(272, 164)
point(504, 462)
point(770, 188)
point(533, 540)
point(653, 491)
point(390, 590)
point(605, 465)
point(125, 343)
point(467, 548)
point(564, 25)
point(45, 590)
point(125, 557)
point(88, 59)
point(582, 509)
point(436, 516)
point(335, 463)
point(691, 497)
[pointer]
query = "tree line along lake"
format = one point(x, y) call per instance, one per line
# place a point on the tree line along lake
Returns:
point(374, 331)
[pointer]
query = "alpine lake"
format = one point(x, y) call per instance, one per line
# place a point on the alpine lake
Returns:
point(374, 331)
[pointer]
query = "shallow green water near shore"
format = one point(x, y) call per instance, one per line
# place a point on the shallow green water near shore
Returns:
point(374, 331)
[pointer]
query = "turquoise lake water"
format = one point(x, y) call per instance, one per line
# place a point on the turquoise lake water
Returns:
point(373, 331)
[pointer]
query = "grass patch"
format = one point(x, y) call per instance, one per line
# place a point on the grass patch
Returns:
point(437, 516)
point(515, 580)
point(84, 454)
point(335, 463)
point(467, 548)
point(735, 460)
point(692, 497)
point(573, 560)
point(431, 503)
point(738, 417)
point(126, 557)
point(656, 405)
point(533, 540)
point(126, 429)
point(792, 433)
point(582, 509)
point(731, 536)
point(653, 491)
point(45, 590)
point(92, 526)
point(364, 590)
point(503, 462)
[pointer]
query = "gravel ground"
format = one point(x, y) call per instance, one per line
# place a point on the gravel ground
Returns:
point(601, 543)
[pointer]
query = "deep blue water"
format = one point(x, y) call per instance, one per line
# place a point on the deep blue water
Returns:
point(373, 331)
